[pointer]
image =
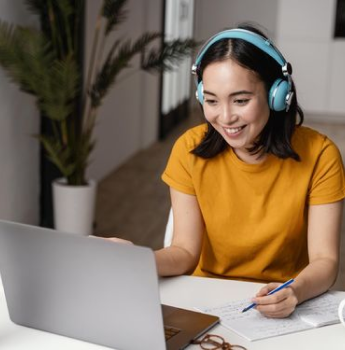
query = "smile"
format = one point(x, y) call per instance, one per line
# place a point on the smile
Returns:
point(232, 131)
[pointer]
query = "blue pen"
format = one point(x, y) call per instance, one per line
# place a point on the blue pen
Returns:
point(287, 283)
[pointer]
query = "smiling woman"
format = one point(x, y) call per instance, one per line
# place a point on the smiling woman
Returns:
point(255, 195)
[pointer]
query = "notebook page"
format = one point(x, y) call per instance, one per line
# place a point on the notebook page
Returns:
point(320, 311)
point(251, 324)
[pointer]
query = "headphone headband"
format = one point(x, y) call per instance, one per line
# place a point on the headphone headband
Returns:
point(259, 41)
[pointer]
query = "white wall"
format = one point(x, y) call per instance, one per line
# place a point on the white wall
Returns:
point(19, 152)
point(213, 16)
point(317, 59)
point(128, 118)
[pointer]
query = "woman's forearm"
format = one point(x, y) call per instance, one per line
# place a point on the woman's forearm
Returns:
point(174, 260)
point(315, 279)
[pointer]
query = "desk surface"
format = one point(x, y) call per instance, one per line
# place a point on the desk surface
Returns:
point(186, 292)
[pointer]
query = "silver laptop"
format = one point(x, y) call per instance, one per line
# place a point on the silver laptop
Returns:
point(90, 289)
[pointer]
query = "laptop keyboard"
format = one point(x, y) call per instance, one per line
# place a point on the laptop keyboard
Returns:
point(170, 332)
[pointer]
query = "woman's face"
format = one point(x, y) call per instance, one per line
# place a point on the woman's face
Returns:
point(235, 103)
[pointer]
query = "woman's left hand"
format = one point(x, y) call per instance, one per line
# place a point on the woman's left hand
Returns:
point(278, 305)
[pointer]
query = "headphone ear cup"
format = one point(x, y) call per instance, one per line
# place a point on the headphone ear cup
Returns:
point(277, 95)
point(200, 92)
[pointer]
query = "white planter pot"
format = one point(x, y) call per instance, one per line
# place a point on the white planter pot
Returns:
point(74, 207)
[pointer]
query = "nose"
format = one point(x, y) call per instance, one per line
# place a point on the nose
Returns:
point(226, 115)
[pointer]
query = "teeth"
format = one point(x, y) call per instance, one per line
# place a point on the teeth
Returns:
point(233, 130)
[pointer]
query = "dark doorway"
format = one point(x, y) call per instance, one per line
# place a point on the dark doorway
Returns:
point(339, 30)
point(48, 171)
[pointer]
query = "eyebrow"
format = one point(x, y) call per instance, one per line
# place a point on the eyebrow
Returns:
point(242, 92)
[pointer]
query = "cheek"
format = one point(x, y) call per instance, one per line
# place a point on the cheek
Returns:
point(257, 115)
point(209, 114)
point(257, 119)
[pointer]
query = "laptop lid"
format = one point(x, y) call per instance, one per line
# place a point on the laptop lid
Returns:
point(89, 289)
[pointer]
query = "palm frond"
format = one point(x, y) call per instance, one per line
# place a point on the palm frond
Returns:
point(114, 13)
point(144, 40)
point(114, 65)
point(166, 58)
point(27, 59)
point(57, 154)
point(25, 56)
point(8, 44)
point(61, 88)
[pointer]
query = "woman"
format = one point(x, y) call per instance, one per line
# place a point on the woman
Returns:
point(255, 195)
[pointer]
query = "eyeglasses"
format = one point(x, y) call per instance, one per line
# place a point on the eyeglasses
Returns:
point(214, 342)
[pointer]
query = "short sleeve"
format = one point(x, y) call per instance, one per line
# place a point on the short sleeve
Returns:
point(328, 180)
point(178, 172)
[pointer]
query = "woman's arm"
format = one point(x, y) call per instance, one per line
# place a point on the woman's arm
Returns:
point(324, 224)
point(183, 254)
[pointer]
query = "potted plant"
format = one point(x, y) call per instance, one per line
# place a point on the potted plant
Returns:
point(46, 63)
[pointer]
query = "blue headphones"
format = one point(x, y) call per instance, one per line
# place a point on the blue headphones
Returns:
point(280, 94)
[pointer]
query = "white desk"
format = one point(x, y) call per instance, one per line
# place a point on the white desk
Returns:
point(187, 292)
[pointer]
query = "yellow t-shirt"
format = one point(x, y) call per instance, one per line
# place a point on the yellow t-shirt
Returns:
point(256, 214)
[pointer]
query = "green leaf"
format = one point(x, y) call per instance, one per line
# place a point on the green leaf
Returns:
point(57, 154)
point(167, 58)
point(61, 87)
point(114, 65)
point(25, 56)
point(114, 13)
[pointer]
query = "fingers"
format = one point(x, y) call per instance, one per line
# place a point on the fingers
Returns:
point(278, 305)
point(266, 289)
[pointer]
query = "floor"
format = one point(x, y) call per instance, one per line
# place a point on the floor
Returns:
point(133, 203)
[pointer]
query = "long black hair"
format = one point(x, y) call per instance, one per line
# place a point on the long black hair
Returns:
point(276, 136)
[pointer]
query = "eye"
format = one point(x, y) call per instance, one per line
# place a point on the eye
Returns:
point(242, 101)
point(210, 102)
